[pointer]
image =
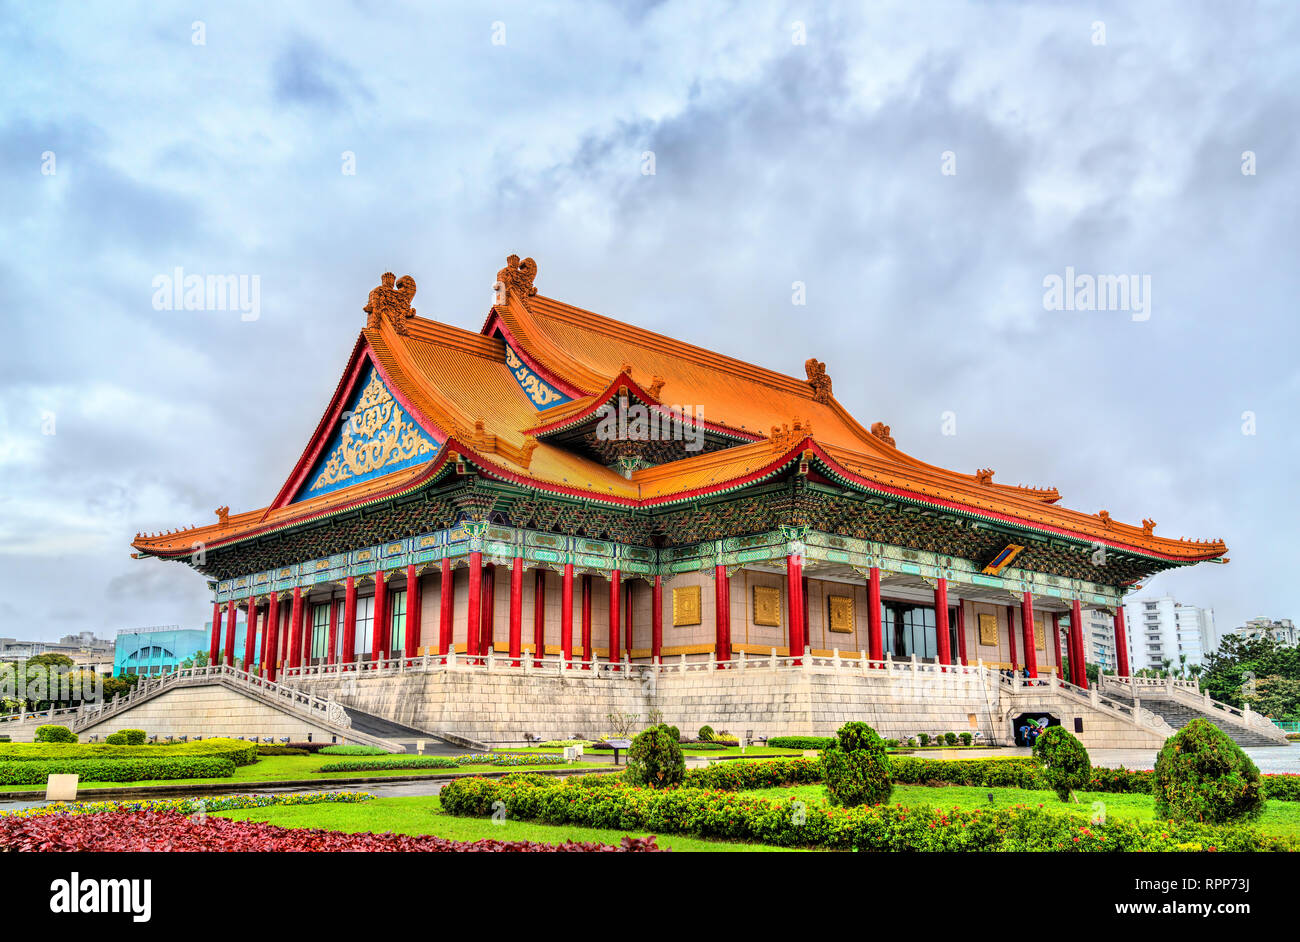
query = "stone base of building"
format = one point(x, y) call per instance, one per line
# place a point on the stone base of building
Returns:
point(511, 704)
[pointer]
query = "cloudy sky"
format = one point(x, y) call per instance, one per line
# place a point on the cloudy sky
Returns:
point(791, 143)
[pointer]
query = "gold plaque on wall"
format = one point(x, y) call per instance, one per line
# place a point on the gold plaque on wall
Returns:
point(840, 612)
point(767, 606)
point(1040, 635)
point(686, 606)
point(989, 630)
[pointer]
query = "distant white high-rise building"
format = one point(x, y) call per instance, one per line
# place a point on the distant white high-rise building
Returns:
point(1281, 630)
point(1101, 639)
point(1164, 632)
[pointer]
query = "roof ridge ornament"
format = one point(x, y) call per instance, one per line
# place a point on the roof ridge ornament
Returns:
point(392, 301)
point(1148, 526)
point(818, 379)
point(789, 435)
point(881, 431)
point(984, 476)
point(223, 515)
point(516, 277)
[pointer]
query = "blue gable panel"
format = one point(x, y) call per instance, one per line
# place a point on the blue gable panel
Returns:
point(541, 393)
point(375, 437)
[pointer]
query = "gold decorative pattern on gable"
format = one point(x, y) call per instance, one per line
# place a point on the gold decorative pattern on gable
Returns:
point(378, 434)
point(839, 610)
point(767, 606)
point(686, 606)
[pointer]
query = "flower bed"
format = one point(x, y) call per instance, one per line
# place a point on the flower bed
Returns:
point(787, 823)
point(171, 831)
point(115, 770)
point(193, 805)
point(383, 765)
point(508, 759)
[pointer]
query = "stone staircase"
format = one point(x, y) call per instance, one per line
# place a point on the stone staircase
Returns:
point(1178, 715)
point(406, 737)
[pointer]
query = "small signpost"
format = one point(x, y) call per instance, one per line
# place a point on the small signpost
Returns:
point(61, 788)
point(618, 744)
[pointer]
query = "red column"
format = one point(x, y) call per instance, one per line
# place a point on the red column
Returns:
point(214, 651)
point(721, 613)
point(566, 615)
point(794, 601)
point(331, 655)
point(250, 636)
point(295, 628)
point(266, 636)
point(587, 652)
point(1027, 623)
point(943, 635)
point(350, 621)
point(446, 600)
point(961, 632)
point(1121, 643)
point(657, 622)
point(472, 614)
point(412, 611)
point(1011, 634)
point(539, 617)
point(271, 649)
point(1078, 655)
point(232, 616)
point(629, 591)
point(516, 609)
point(487, 636)
point(1056, 642)
point(614, 653)
point(875, 642)
point(379, 626)
point(286, 629)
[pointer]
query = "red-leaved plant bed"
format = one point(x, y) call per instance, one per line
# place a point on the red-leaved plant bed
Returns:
point(170, 831)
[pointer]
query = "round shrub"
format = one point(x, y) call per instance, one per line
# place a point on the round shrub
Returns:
point(1202, 775)
point(655, 759)
point(950, 738)
point(116, 739)
point(965, 738)
point(706, 732)
point(855, 768)
point(52, 733)
point(1064, 759)
point(134, 737)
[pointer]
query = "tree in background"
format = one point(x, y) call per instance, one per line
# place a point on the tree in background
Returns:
point(1234, 671)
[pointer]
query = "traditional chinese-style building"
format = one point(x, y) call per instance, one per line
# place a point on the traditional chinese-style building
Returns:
point(564, 484)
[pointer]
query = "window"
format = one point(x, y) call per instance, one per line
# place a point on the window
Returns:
point(365, 626)
point(397, 623)
point(909, 628)
point(320, 629)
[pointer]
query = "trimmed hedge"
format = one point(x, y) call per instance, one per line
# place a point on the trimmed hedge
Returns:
point(353, 751)
point(236, 750)
point(786, 823)
point(115, 770)
point(1202, 775)
point(134, 737)
point(281, 751)
point(1013, 772)
point(801, 742)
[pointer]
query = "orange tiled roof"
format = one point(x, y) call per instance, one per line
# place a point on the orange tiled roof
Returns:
point(454, 379)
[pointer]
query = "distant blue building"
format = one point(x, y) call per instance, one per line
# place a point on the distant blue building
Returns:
point(150, 651)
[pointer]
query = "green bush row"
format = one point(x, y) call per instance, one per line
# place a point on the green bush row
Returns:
point(788, 823)
point(353, 751)
point(382, 765)
point(115, 770)
point(236, 750)
point(1016, 772)
point(801, 742)
point(281, 751)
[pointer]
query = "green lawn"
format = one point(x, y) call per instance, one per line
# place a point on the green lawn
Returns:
point(1280, 817)
point(422, 815)
point(287, 768)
